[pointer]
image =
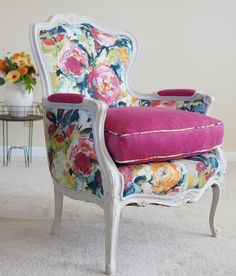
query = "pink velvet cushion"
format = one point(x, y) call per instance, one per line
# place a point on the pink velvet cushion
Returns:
point(146, 134)
point(66, 98)
point(176, 92)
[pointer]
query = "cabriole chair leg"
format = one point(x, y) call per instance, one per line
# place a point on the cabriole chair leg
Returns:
point(216, 189)
point(112, 219)
point(58, 198)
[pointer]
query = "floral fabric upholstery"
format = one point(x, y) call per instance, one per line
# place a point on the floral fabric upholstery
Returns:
point(197, 105)
point(81, 58)
point(71, 150)
point(171, 177)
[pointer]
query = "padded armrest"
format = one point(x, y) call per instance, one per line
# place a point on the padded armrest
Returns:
point(184, 99)
point(74, 128)
point(66, 98)
point(188, 93)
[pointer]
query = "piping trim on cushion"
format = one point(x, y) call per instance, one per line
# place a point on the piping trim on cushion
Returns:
point(165, 156)
point(162, 130)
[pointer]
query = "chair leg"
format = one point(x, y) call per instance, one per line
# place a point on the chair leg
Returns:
point(112, 219)
point(58, 198)
point(216, 189)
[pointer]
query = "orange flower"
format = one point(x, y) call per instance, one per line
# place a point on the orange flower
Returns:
point(16, 56)
point(3, 65)
point(23, 70)
point(166, 176)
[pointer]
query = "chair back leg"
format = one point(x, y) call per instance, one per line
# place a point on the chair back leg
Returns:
point(58, 198)
point(216, 189)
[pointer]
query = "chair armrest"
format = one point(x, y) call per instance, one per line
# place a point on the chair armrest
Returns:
point(77, 154)
point(184, 99)
point(176, 93)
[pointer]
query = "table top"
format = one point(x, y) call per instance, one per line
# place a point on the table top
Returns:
point(21, 114)
point(29, 117)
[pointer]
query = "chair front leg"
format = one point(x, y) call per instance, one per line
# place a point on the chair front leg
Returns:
point(112, 214)
point(58, 198)
point(216, 189)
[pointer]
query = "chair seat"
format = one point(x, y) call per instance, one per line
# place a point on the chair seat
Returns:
point(148, 134)
point(171, 178)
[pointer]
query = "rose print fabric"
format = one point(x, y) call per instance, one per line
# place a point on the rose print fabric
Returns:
point(83, 59)
point(197, 105)
point(71, 150)
point(171, 177)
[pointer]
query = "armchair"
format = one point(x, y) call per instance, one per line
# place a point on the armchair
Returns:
point(114, 147)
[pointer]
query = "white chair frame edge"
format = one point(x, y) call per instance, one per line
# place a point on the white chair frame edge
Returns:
point(112, 181)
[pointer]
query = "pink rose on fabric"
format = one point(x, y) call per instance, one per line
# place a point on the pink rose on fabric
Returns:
point(104, 84)
point(163, 103)
point(51, 129)
point(82, 156)
point(128, 174)
point(201, 167)
point(82, 163)
point(73, 60)
point(103, 38)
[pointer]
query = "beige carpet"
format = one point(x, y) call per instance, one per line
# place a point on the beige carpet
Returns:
point(152, 241)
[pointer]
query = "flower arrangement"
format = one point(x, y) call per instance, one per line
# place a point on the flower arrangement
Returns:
point(18, 69)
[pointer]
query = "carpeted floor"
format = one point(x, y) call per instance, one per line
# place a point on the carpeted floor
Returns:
point(152, 241)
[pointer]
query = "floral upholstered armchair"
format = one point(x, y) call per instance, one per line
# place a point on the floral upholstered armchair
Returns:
point(111, 146)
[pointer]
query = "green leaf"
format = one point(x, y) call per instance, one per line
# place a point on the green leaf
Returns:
point(86, 131)
point(29, 82)
point(2, 81)
point(34, 81)
point(11, 64)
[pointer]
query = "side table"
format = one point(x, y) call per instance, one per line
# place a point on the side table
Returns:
point(33, 113)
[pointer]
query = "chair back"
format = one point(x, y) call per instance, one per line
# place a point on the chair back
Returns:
point(76, 56)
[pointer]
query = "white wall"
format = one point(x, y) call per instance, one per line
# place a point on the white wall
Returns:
point(183, 44)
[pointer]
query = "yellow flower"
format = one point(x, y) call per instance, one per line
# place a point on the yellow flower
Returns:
point(54, 79)
point(21, 59)
point(111, 56)
point(13, 76)
point(134, 101)
point(123, 55)
point(70, 180)
point(166, 176)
